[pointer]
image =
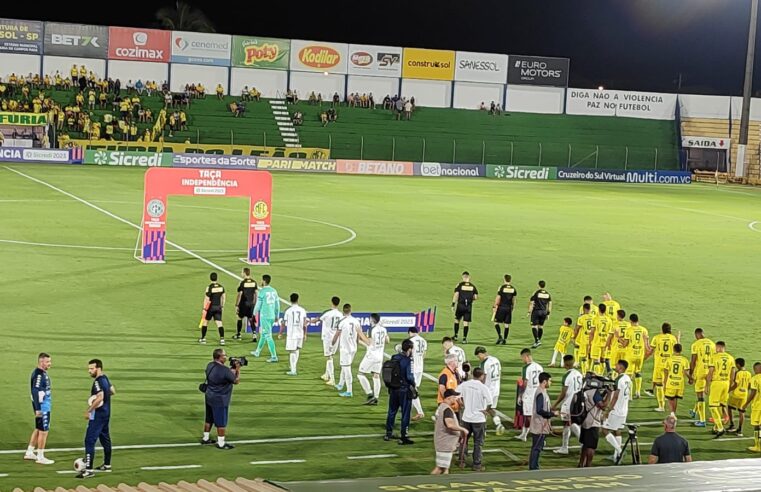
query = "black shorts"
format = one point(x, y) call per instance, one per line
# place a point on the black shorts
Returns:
point(215, 313)
point(589, 437)
point(245, 311)
point(679, 398)
point(538, 318)
point(504, 315)
point(463, 312)
point(42, 423)
point(216, 415)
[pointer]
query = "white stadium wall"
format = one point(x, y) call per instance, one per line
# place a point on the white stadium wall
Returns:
point(470, 95)
point(62, 64)
point(379, 86)
point(209, 76)
point(699, 106)
point(306, 82)
point(18, 64)
point(271, 83)
point(627, 104)
point(755, 108)
point(134, 71)
point(430, 93)
point(535, 99)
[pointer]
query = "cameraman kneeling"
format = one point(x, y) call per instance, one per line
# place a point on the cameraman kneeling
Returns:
point(218, 390)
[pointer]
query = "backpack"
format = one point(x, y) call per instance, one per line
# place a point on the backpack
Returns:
point(392, 373)
point(578, 408)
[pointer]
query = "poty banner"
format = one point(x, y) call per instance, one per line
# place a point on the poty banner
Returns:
point(121, 158)
point(480, 67)
point(266, 53)
point(538, 70)
point(198, 48)
point(385, 168)
point(648, 105)
point(23, 119)
point(20, 36)
point(622, 176)
point(525, 173)
point(16, 154)
point(221, 149)
point(424, 321)
point(315, 56)
point(76, 40)
point(420, 63)
point(439, 169)
point(127, 43)
point(303, 165)
point(214, 161)
point(706, 143)
point(379, 61)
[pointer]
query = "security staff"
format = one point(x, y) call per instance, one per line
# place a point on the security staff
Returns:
point(401, 397)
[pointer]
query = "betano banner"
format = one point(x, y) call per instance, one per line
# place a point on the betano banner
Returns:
point(266, 53)
point(648, 105)
point(315, 56)
point(480, 67)
point(378, 61)
point(426, 64)
point(20, 36)
point(221, 149)
point(76, 40)
point(198, 48)
point(149, 45)
point(385, 168)
point(23, 119)
point(538, 70)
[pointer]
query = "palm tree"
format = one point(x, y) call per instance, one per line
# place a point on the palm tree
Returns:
point(184, 17)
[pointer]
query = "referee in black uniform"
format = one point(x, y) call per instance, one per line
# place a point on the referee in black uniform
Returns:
point(244, 303)
point(214, 301)
point(464, 295)
point(539, 309)
point(503, 309)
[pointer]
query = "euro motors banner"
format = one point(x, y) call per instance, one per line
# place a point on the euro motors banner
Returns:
point(538, 70)
point(424, 321)
point(625, 176)
point(316, 56)
point(378, 61)
point(266, 53)
point(149, 45)
point(441, 169)
point(648, 105)
point(20, 36)
point(480, 67)
point(198, 48)
point(524, 173)
point(428, 64)
point(76, 40)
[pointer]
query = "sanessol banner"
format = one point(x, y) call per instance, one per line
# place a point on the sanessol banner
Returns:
point(480, 67)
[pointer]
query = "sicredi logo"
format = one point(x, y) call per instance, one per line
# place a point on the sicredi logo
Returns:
point(430, 169)
point(361, 58)
point(319, 56)
point(73, 40)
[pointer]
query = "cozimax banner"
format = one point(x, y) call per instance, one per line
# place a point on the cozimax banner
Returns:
point(149, 45)
point(316, 56)
point(201, 48)
point(379, 61)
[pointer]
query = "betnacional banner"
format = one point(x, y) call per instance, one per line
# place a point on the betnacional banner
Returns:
point(221, 149)
point(525, 173)
point(127, 158)
point(266, 53)
point(21, 37)
point(441, 169)
point(23, 119)
point(316, 56)
point(624, 176)
point(197, 48)
point(214, 161)
point(480, 67)
point(424, 321)
point(421, 63)
point(149, 45)
point(379, 61)
point(706, 143)
point(302, 165)
point(538, 70)
point(24, 154)
point(649, 105)
point(76, 40)
point(385, 168)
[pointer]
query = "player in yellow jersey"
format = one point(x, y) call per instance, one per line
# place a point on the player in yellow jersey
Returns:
point(721, 370)
point(662, 346)
point(738, 396)
point(592, 306)
point(564, 336)
point(598, 341)
point(676, 371)
point(581, 337)
point(616, 349)
point(611, 307)
point(636, 342)
point(702, 350)
point(754, 400)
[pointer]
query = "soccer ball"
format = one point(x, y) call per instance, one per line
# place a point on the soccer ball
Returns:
point(79, 464)
point(500, 429)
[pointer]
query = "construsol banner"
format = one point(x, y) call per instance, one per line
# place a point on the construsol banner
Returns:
point(316, 56)
point(303, 165)
point(538, 70)
point(20, 36)
point(221, 149)
point(649, 105)
point(23, 119)
point(127, 158)
point(481, 67)
point(525, 173)
point(386, 168)
point(127, 43)
point(440, 169)
point(76, 40)
point(214, 161)
point(198, 48)
point(379, 61)
point(622, 176)
point(266, 53)
point(420, 63)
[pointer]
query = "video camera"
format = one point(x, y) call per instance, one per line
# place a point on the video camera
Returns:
point(238, 361)
point(595, 382)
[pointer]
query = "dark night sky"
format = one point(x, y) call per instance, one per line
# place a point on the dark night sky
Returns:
point(621, 44)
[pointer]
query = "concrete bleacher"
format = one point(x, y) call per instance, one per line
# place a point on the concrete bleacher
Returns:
point(721, 128)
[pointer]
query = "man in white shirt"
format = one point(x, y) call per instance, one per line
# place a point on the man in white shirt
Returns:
point(295, 321)
point(529, 382)
point(572, 383)
point(349, 331)
point(493, 371)
point(450, 348)
point(617, 409)
point(330, 320)
point(420, 347)
point(373, 360)
point(477, 400)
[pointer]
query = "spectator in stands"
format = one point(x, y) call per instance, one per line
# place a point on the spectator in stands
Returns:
point(482, 106)
point(499, 109)
point(167, 100)
point(74, 74)
point(492, 108)
point(398, 108)
point(387, 102)
point(220, 92)
point(130, 86)
point(139, 87)
point(290, 97)
point(244, 95)
point(312, 98)
point(102, 100)
point(408, 110)
point(332, 115)
point(319, 98)
point(298, 118)
point(336, 100)
point(240, 108)
point(201, 91)
point(183, 120)
point(669, 447)
point(255, 94)
point(117, 86)
point(324, 118)
point(370, 101)
point(148, 115)
point(91, 100)
point(350, 100)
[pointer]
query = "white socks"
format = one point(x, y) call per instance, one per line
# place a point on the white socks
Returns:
point(616, 443)
point(376, 385)
point(29, 449)
point(364, 382)
point(294, 360)
point(205, 436)
point(418, 407)
point(220, 441)
point(346, 377)
point(329, 371)
point(566, 437)
point(576, 429)
point(524, 433)
point(554, 356)
point(341, 376)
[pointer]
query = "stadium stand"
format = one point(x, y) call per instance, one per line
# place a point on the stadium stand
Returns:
point(220, 485)
point(721, 128)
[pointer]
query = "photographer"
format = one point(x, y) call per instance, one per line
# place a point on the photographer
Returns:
point(218, 390)
point(594, 402)
point(617, 409)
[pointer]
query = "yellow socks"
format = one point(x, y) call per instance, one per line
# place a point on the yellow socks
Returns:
point(701, 405)
point(659, 395)
point(717, 418)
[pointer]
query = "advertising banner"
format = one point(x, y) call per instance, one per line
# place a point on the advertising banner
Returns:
point(127, 158)
point(525, 173)
point(302, 165)
point(386, 168)
point(23, 119)
point(222, 149)
point(20, 36)
point(316, 56)
point(127, 43)
point(480, 67)
point(76, 40)
point(538, 70)
point(420, 63)
point(197, 48)
point(622, 176)
point(424, 321)
point(379, 61)
point(24, 154)
point(214, 161)
point(706, 143)
point(595, 102)
point(438, 169)
point(266, 53)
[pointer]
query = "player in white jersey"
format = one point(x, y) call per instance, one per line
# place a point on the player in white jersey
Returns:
point(419, 348)
point(349, 332)
point(530, 383)
point(617, 409)
point(572, 384)
point(373, 360)
point(492, 368)
point(330, 320)
point(296, 322)
point(450, 348)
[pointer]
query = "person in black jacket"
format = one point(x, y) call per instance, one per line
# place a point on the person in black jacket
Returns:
point(402, 396)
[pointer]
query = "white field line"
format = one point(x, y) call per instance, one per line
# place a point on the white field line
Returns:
point(3, 475)
point(73, 472)
point(372, 457)
point(175, 467)
point(277, 462)
point(752, 226)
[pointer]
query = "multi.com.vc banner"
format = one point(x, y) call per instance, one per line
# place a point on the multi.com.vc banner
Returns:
point(625, 176)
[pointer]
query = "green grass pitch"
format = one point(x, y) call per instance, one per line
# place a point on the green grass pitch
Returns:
point(681, 254)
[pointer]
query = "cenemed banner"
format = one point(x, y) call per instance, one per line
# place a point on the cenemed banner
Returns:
point(428, 64)
point(20, 36)
point(527, 173)
point(127, 158)
point(76, 40)
point(315, 56)
point(23, 119)
point(267, 53)
point(198, 48)
point(380, 61)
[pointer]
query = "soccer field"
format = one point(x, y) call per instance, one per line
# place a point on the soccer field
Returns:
point(684, 254)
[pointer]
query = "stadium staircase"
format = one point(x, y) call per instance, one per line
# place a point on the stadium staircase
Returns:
point(220, 485)
point(721, 128)
point(284, 123)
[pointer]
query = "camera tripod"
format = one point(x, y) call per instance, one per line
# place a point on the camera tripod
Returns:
point(631, 440)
